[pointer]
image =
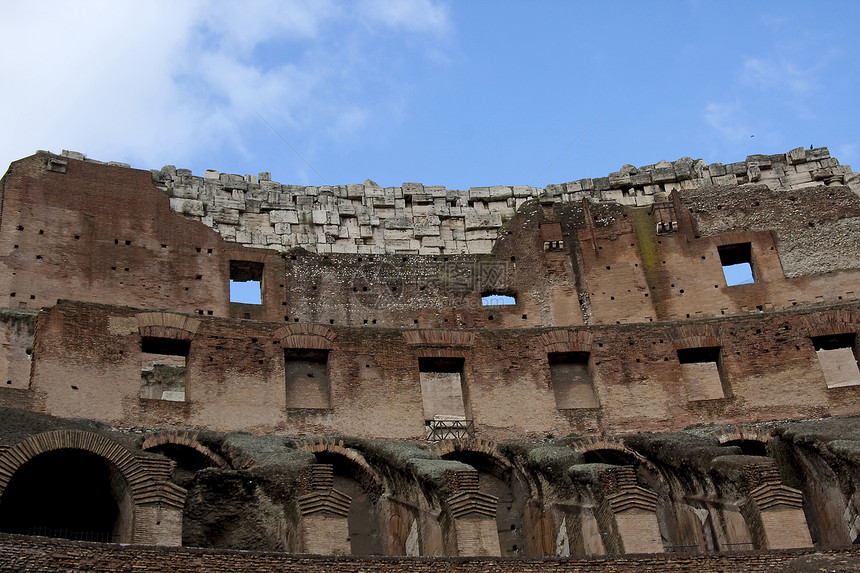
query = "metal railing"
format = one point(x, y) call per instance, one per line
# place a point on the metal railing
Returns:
point(100, 536)
point(449, 429)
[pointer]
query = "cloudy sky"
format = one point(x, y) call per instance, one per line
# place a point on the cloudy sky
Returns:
point(461, 94)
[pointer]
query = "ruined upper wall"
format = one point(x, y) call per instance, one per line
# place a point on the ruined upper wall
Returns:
point(431, 220)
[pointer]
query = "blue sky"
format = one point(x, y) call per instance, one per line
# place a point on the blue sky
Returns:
point(459, 94)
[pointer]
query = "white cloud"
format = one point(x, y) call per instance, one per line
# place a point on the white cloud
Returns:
point(413, 15)
point(162, 80)
point(728, 120)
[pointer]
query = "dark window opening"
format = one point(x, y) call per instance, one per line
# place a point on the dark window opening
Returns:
point(570, 374)
point(163, 368)
point(838, 357)
point(306, 378)
point(702, 374)
point(246, 282)
point(737, 263)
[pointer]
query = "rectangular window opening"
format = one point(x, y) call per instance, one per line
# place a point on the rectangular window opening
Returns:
point(492, 298)
point(702, 374)
point(442, 388)
point(838, 357)
point(306, 378)
point(246, 282)
point(570, 374)
point(163, 368)
point(737, 263)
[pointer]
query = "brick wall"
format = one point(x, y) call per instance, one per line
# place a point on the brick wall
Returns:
point(33, 554)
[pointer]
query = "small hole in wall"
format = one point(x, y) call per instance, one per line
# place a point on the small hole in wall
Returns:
point(638, 360)
point(11, 294)
point(365, 321)
point(331, 321)
point(162, 246)
point(314, 287)
point(77, 237)
point(373, 321)
point(608, 267)
point(38, 257)
point(20, 227)
point(74, 387)
point(703, 257)
point(525, 316)
point(198, 277)
point(490, 317)
point(16, 246)
point(116, 241)
point(665, 359)
point(8, 381)
point(612, 298)
point(446, 320)
point(415, 321)
point(128, 242)
point(364, 289)
point(41, 232)
point(681, 291)
point(209, 251)
point(295, 320)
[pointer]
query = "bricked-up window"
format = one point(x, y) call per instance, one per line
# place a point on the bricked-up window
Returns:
point(737, 263)
point(442, 388)
point(571, 380)
point(838, 356)
point(163, 368)
point(701, 372)
point(306, 377)
point(246, 282)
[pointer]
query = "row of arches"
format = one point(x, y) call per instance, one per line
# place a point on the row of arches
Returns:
point(582, 496)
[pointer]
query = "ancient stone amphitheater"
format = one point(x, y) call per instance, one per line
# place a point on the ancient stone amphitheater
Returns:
point(657, 369)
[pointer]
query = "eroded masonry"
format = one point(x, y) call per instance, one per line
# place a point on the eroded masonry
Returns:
point(662, 360)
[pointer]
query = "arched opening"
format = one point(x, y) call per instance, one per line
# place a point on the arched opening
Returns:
point(71, 494)
point(749, 447)
point(365, 537)
point(498, 480)
point(610, 457)
point(188, 461)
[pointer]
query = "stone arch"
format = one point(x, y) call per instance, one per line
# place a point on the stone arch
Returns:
point(313, 336)
point(186, 439)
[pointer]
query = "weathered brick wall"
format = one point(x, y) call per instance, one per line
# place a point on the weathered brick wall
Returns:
point(235, 378)
point(35, 554)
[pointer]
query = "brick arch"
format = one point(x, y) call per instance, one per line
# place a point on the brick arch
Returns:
point(566, 341)
point(16, 456)
point(183, 439)
point(476, 445)
point(367, 476)
point(695, 336)
point(306, 336)
point(843, 321)
point(749, 433)
point(609, 443)
point(166, 325)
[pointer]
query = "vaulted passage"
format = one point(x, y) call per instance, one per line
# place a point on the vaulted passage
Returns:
point(72, 494)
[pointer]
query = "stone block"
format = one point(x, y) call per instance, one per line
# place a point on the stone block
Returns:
point(480, 247)
point(479, 193)
point(227, 216)
point(211, 174)
point(523, 191)
point(283, 216)
point(483, 221)
point(663, 174)
point(319, 217)
point(499, 192)
point(795, 156)
point(190, 207)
